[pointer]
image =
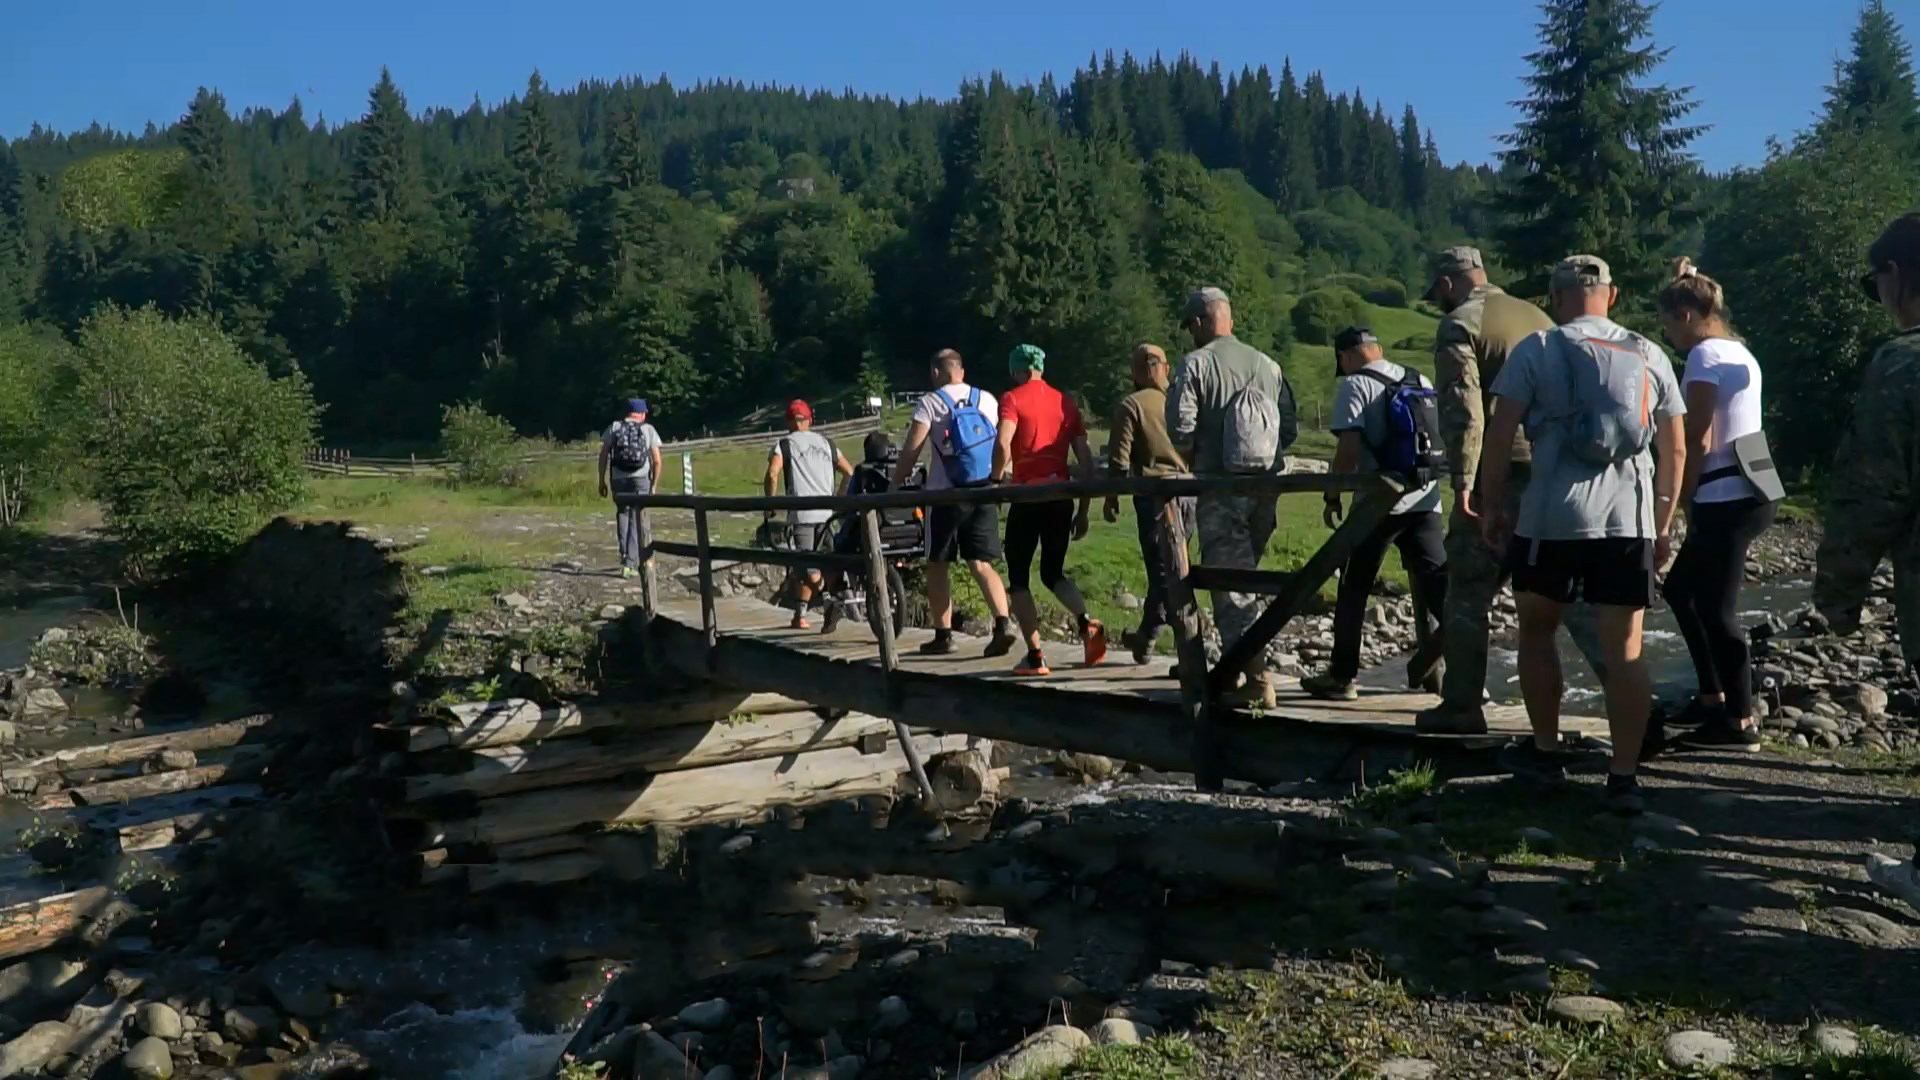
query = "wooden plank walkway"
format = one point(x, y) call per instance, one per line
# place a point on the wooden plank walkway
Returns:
point(1117, 708)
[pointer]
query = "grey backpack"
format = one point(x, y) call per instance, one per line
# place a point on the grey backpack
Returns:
point(1250, 439)
point(1610, 397)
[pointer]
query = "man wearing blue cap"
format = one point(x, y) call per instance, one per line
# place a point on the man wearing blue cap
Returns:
point(630, 456)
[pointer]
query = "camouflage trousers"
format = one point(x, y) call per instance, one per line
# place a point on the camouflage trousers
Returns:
point(1475, 575)
point(1234, 530)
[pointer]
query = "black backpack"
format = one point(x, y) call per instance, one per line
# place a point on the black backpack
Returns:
point(632, 449)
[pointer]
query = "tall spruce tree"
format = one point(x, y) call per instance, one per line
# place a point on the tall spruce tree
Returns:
point(1873, 89)
point(1293, 184)
point(386, 166)
point(1598, 163)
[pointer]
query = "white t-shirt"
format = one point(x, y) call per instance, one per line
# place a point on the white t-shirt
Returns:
point(933, 410)
point(1730, 368)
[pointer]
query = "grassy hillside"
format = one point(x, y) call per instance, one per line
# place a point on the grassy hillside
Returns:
point(1310, 367)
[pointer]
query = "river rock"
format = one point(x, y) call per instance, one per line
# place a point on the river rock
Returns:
point(160, 1020)
point(250, 1025)
point(298, 992)
point(710, 1015)
point(1869, 699)
point(1834, 1039)
point(1116, 1031)
point(1866, 927)
point(150, 1059)
point(176, 760)
point(42, 706)
point(1403, 1068)
point(1697, 1050)
point(1501, 920)
point(1585, 1009)
point(9, 734)
point(37, 1046)
point(892, 1013)
point(721, 1072)
point(1049, 1048)
point(514, 602)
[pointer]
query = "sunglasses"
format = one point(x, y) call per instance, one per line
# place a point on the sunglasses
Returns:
point(1870, 285)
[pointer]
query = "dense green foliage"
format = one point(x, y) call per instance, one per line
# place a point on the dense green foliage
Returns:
point(481, 446)
point(1322, 313)
point(1598, 163)
point(722, 246)
point(33, 370)
point(188, 444)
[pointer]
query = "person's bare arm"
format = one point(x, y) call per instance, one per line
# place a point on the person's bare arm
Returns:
point(1346, 459)
point(770, 483)
point(1003, 447)
point(1083, 456)
point(1496, 459)
point(910, 453)
point(1670, 442)
point(606, 455)
point(1701, 399)
point(657, 465)
point(841, 464)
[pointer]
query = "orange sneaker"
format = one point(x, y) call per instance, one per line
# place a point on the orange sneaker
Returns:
point(1034, 664)
point(800, 622)
point(1094, 640)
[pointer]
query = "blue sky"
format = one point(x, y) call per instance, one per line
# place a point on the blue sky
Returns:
point(1758, 66)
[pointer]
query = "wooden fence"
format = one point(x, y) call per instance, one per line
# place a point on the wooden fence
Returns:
point(338, 462)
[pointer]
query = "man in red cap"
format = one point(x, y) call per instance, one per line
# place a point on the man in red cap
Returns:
point(806, 462)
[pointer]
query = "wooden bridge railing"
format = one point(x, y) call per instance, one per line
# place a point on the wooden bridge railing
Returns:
point(1200, 687)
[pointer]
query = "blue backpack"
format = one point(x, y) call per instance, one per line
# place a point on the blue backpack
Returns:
point(966, 446)
point(1413, 447)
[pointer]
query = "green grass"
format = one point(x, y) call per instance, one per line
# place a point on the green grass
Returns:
point(1165, 1058)
point(1401, 787)
point(1310, 367)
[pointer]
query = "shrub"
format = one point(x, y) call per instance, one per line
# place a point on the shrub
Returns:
point(190, 446)
point(1322, 313)
point(481, 446)
point(1384, 291)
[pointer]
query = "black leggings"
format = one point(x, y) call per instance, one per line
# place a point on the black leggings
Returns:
point(1047, 526)
point(1703, 588)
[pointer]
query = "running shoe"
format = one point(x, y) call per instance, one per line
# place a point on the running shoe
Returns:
point(1698, 712)
point(1448, 720)
point(1624, 796)
point(941, 644)
point(1330, 688)
point(629, 572)
point(1034, 664)
point(799, 622)
point(1002, 643)
point(1722, 734)
point(835, 609)
point(1528, 762)
point(1093, 640)
point(1137, 643)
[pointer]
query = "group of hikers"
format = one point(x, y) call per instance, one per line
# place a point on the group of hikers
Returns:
point(1571, 449)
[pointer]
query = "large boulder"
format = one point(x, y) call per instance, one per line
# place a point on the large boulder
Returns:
point(40, 1044)
point(1045, 1050)
point(150, 1059)
point(43, 706)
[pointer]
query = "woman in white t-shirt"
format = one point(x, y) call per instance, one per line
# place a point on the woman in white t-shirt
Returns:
point(1725, 512)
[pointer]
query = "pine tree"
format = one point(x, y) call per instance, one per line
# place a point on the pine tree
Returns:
point(386, 167)
point(631, 157)
point(1873, 88)
point(1598, 163)
point(1293, 179)
point(1413, 164)
point(15, 284)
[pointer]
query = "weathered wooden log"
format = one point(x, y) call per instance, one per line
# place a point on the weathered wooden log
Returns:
point(36, 924)
point(211, 737)
point(113, 817)
point(690, 797)
point(505, 770)
point(141, 787)
point(506, 723)
point(546, 870)
point(181, 829)
point(964, 780)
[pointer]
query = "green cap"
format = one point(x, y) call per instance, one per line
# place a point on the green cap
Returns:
point(1026, 358)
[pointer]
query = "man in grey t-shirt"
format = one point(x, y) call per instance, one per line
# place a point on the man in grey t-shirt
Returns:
point(1586, 532)
point(630, 465)
point(805, 461)
point(1361, 420)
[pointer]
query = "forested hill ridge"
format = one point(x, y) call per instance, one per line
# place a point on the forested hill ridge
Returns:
point(720, 246)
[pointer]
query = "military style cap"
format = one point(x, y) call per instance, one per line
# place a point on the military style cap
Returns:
point(1198, 299)
point(1353, 337)
point(1579, 271)
point(1453, 260)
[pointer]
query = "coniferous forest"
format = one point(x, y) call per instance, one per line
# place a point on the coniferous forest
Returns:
point(723, 245)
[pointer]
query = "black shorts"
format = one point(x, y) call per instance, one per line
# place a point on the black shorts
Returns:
point(1047, 526)
point(971, 533)
point(1614, 571)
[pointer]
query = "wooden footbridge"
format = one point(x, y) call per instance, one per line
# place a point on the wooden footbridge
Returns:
point(1138, 713)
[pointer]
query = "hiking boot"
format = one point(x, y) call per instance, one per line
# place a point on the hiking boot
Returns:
point(1002, 643)
point(1034, 664)
point(1528, 762)
point(941, 644)
point(1139, 643)
point(1330, 688)
point(1624, 796)
point(1897, 877)
point(629, 572)
point(1255, 693)
point(1722, 734)
point(1448, 720)
point(1698, 712)
point(1093, 641)
point(835, 611)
